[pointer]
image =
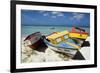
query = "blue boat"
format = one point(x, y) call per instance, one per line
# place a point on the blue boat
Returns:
point(62, 48)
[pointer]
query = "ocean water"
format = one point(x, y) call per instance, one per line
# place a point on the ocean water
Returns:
point(27, 30)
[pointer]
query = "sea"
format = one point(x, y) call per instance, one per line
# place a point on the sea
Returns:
point(46, 30)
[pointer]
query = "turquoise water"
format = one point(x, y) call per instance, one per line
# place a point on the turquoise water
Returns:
point(27, 30)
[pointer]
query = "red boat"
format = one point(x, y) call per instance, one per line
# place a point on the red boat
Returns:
point(35, 41)
point(78, 33)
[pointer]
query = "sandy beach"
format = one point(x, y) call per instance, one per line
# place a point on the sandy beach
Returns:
point(31, 55)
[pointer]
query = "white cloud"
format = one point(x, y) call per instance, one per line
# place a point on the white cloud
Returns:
point(77, 16)
point(45, 14)
point(54, 12)
point(53, 16)
point(57, 13)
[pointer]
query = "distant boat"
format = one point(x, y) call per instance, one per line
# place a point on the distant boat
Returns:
point(52, 28)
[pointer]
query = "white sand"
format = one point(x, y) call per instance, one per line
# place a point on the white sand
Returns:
point(85, 51)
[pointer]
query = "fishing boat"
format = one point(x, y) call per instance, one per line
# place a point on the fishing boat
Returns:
point(34, 40)
point(52, 28)
point(62, 49)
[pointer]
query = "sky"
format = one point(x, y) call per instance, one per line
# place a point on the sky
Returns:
point(55, 18)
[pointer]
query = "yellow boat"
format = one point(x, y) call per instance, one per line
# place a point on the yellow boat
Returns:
point(55, 38)
point(62, 39)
